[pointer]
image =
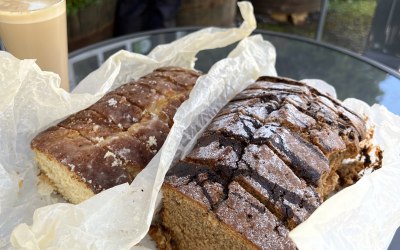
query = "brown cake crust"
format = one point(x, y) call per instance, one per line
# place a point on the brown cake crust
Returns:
point(110, 142)
point(261, 167)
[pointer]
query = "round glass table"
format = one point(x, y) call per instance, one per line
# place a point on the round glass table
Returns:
point(351, 74)
point(299, 58)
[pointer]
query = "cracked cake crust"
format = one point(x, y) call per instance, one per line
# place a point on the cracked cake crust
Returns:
point(265, 162)
point(111, 141)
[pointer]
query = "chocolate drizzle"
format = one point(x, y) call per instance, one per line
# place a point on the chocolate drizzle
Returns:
point(274, 142)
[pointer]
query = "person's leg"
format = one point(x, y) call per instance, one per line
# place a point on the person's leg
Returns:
point(131, 16)
point(164, 13)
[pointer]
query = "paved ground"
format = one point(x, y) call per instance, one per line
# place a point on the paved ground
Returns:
point(347, 24)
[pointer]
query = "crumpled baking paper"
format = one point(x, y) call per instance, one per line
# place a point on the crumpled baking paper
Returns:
point(118, 218)
point(367, 214)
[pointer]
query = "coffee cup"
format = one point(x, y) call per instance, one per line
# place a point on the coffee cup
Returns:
point(37, 29)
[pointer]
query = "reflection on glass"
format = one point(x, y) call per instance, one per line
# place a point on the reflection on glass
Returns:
point(296, 59)
point(110, 52)
point(391, 94)
point(84, 68)
point(142, 47)
point(350, 76)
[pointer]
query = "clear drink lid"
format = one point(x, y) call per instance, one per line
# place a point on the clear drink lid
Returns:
point(24, 11)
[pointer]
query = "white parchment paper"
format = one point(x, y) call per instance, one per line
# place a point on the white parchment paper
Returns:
point(119, 217)
point(363, 216)
point(367, 214)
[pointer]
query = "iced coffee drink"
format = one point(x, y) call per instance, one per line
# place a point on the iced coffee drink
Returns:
point(36, 29)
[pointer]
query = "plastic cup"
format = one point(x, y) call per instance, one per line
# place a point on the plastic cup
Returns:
point(37, 29)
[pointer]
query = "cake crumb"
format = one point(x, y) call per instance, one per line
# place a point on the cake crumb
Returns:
point(152, 141)
point(44, 185)
point(72, 166)
point(108, 154)
point(116, 162)
point(95, 128)
point(112, 102)
point(124, 153)
point(98, 139)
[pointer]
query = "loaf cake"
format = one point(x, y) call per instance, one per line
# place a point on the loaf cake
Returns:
point(265, 162)
point(110, 142)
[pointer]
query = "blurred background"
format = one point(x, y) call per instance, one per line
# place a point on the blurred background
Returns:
point(367, 27)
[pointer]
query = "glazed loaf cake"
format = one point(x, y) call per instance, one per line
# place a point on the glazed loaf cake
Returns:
point(262, 166)
point(110, 142)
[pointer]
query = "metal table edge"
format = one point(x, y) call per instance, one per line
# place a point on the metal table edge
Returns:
point(257, 31)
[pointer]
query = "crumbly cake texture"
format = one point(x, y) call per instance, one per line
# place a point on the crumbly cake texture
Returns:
point(110, 142)
point(267, 160)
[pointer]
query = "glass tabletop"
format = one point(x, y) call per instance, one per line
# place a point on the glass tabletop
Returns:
point(299, 58)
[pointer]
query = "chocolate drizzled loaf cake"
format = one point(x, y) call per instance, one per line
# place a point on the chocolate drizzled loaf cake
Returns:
point(262, 166)
point(111, 141)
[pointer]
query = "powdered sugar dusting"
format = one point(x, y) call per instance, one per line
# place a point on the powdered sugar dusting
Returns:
point(124, 153)
point(96, 128)
point(116, 162)
point(152, 141)
point(72, 166)
point(230, 124)
point(265, 132)
point(98, 139)
point(291, 115)
point(112, 103)
point(220, 154)
point(242, 212)
point(109, 154)
point(268, 165)
point(194, 191)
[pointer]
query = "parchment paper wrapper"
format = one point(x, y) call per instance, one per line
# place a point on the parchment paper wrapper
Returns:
point(367, 214)
point(118, 218)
